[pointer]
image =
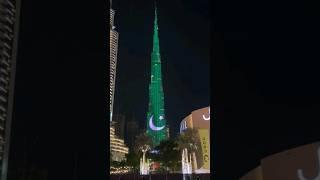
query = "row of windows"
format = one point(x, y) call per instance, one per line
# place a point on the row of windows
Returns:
point(5, 45)
point(113, 63)
point(3, 89)
point(120, 146)
point(113, 35)
point(119, 149)
point(113, 38)
point(7, 20)
point(114, 139)
point(113, 52)
point(125, 152)
point(4, 71)
point(2, 118)
point(10, 4)
point(3, 99)
point(113, 44)
point(111, 17)
point(4, 60)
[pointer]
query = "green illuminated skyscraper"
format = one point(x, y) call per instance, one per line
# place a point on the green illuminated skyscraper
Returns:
point(156, 123)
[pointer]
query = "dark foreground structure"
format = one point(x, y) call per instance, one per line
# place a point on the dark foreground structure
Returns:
point(301, 163)
point(9, 26)
point(160, 177)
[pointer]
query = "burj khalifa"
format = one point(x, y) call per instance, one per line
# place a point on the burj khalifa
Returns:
point(156, 122)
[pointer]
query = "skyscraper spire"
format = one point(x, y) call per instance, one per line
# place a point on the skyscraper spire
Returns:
point(156, 123)
point(156, 48)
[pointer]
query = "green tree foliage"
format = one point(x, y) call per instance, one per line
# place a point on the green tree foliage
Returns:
point(168, 154)
point(133, 160)
point(142, 141)
point(189, 139)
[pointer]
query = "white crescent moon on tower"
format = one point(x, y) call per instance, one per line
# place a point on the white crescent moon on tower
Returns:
point(153, 127)
point(206, 118)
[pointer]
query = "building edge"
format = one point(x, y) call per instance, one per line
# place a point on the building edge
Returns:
point(6, 153)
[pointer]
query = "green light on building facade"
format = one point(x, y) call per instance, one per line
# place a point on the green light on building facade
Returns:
point(156, 122)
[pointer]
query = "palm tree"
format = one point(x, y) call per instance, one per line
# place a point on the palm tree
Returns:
point(168, 154)
point(189, 139)
point(143, 143)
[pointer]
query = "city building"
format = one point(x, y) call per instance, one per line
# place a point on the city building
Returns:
point(113, 58)
point(200, 120)
point(9, 25)
point(117, 147)
point(119, 125)
point(156, 120)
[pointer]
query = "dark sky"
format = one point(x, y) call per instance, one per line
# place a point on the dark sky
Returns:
point(265, 78)
point(184, 32)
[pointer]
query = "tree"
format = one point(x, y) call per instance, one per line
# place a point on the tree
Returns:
point(132, 160)
point(190, 140)
point(143, 141)
point(168, 154)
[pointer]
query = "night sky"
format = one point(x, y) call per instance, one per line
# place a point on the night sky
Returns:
point(184, 33)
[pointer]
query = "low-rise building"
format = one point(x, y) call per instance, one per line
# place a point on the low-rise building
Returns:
point(118, 149)
point(199, 120)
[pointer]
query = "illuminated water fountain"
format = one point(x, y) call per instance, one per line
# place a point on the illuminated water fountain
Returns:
point(186, 162)
point(144, 163)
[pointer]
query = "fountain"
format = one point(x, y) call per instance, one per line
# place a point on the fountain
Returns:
point(186, 164)
point(144, 163)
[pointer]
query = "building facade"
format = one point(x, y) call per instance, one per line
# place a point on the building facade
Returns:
point(200, 120)
point(113, 58)
point(300, 163)
point(117, 147)
point(9, 25)
point(156, 121)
